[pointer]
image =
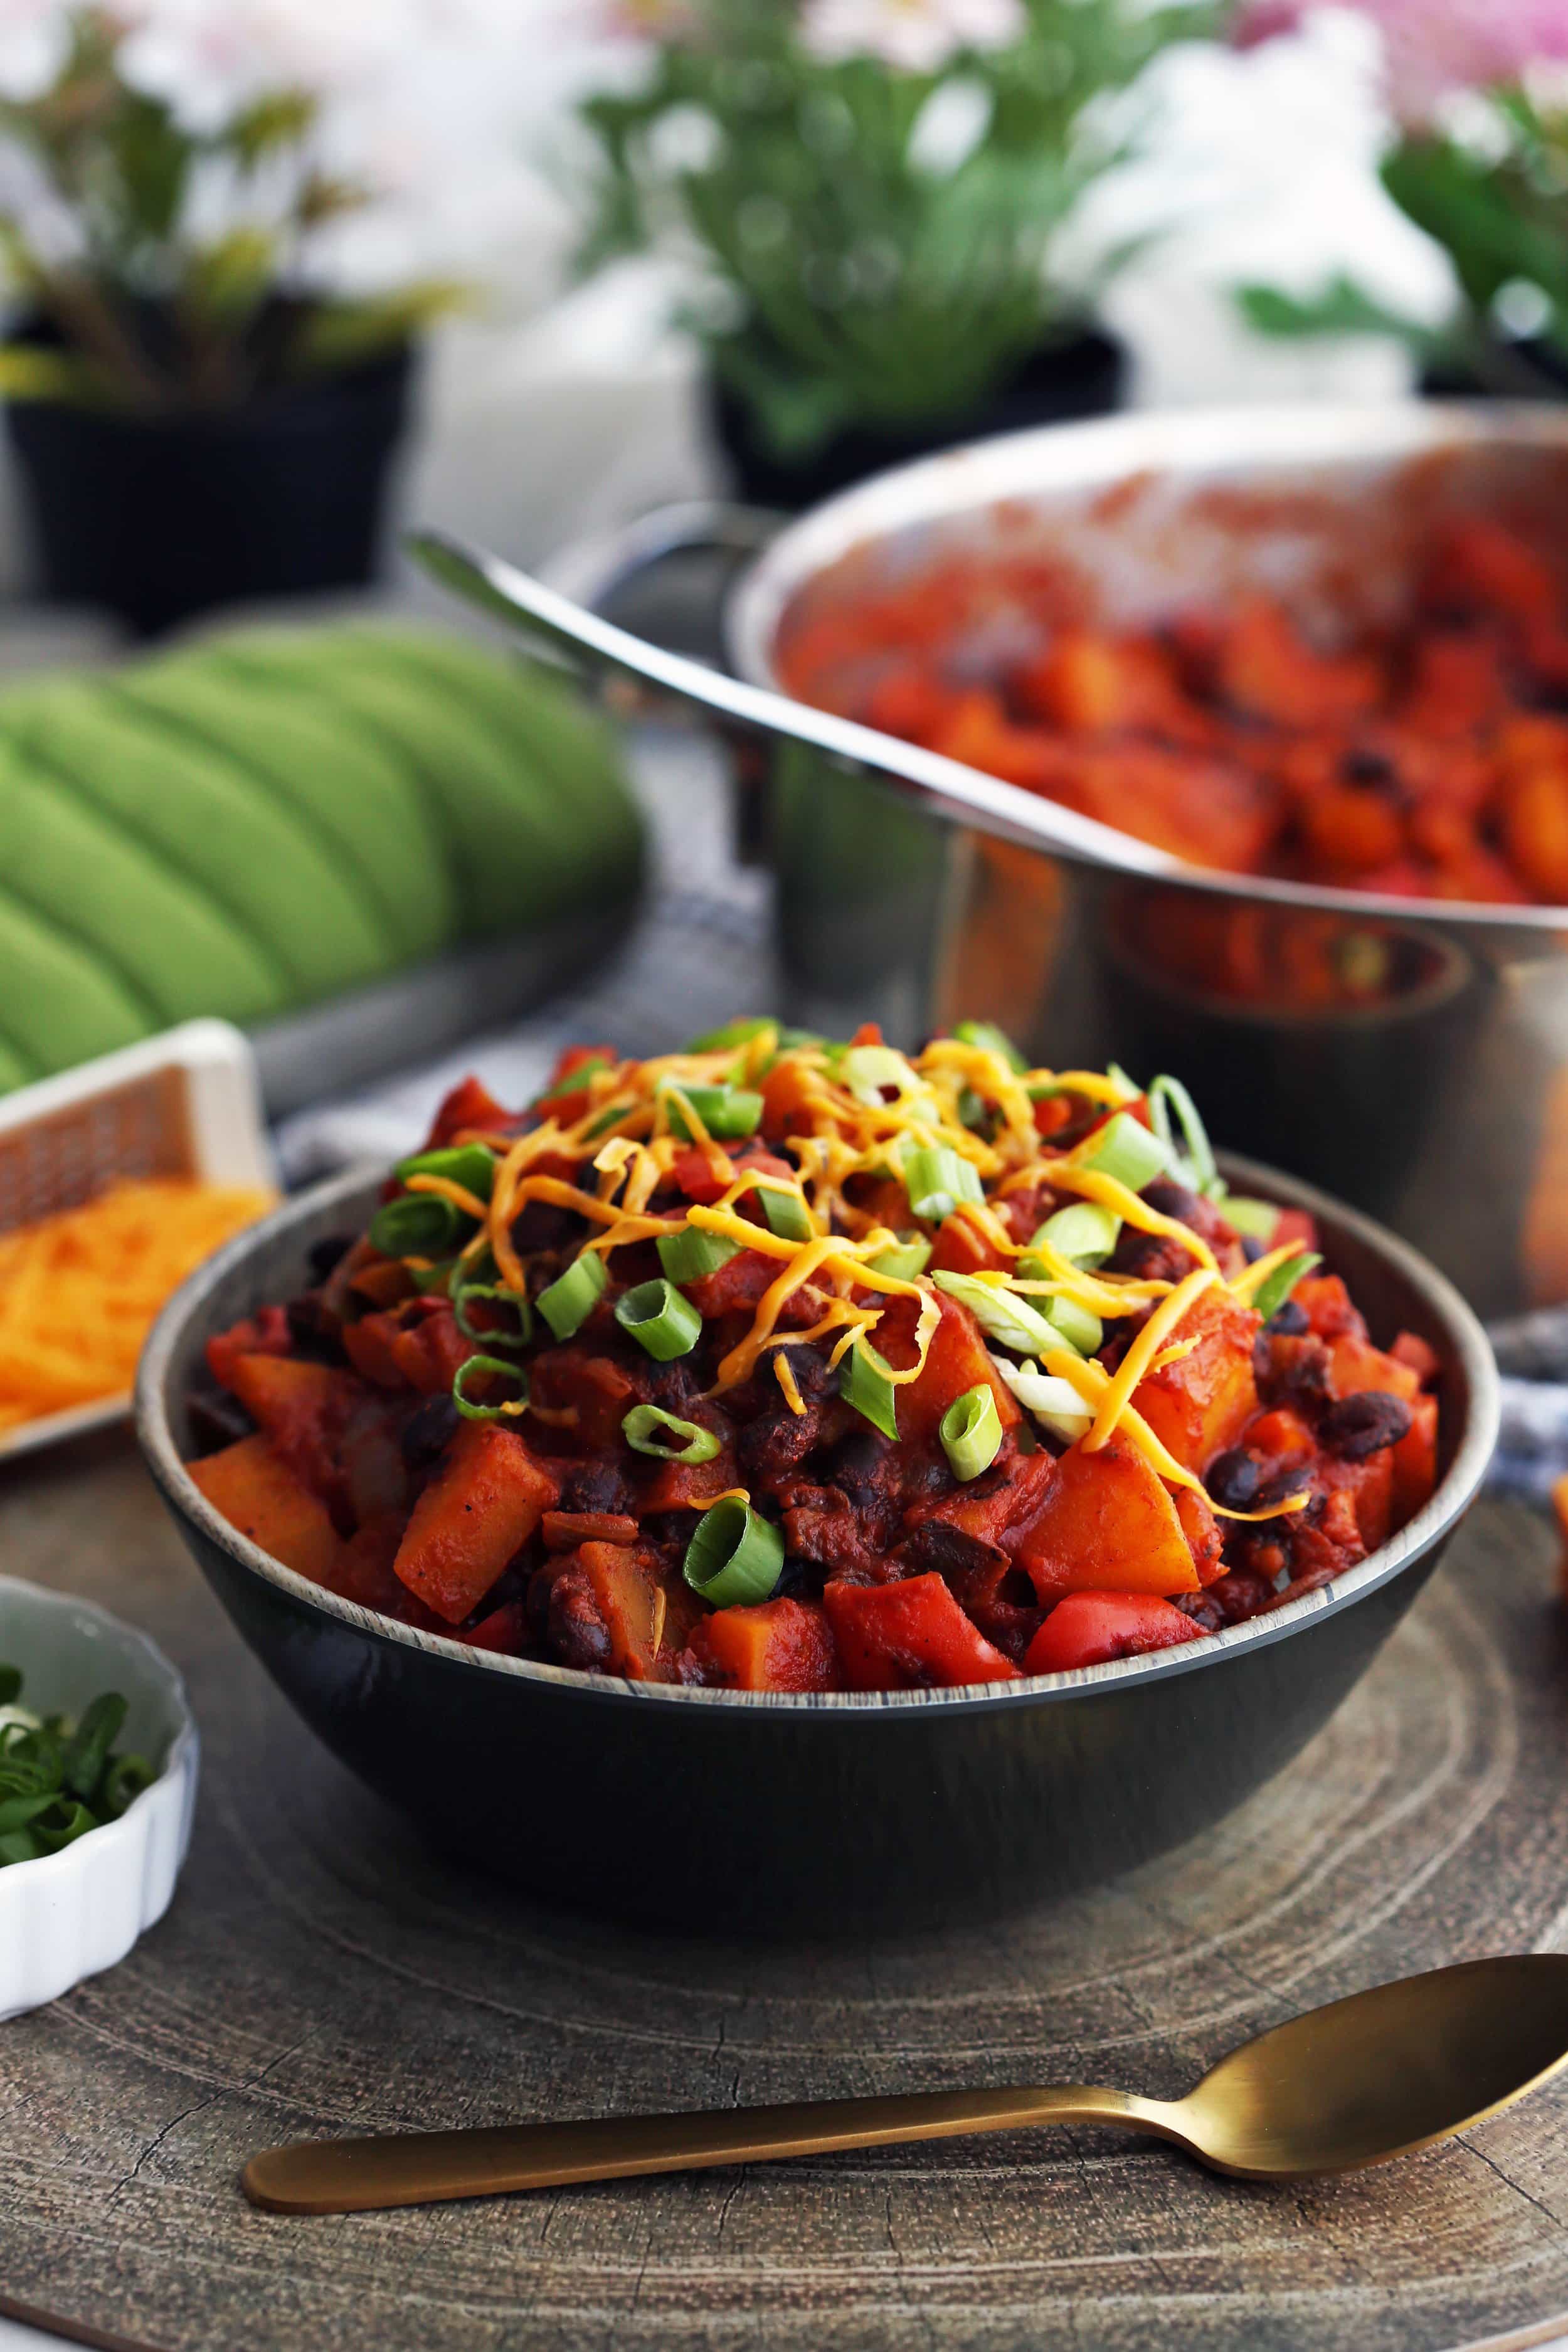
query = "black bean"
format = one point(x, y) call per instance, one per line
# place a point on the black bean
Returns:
point(1290, 1321)
point(948, 1549)
point(426, 1434)
point(812, 1375)
point(323, 1256)
point(1367, 768)
point(855, 1465)
point(1175, 1201)
point(1364, 1424)
point(218, 1420)
point(1233, 1479)
point(593, 1486)
point(315, 1331)
point(543, 1226)
point(1251, 1248)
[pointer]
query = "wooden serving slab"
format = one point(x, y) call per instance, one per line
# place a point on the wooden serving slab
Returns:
point(319, 1972)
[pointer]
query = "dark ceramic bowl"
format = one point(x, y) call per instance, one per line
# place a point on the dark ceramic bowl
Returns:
point(740, 1813)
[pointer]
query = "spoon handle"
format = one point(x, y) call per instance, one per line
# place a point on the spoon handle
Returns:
point(356, 2176)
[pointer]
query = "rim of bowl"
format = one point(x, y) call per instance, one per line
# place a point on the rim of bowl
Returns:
point(1095, 455)
point(1470, 1354)
point(182, 1747)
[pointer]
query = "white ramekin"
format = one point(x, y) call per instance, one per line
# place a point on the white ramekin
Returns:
point(70, 1914)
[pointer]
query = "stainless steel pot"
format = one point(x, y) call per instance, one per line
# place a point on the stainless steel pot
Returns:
point(913, 891)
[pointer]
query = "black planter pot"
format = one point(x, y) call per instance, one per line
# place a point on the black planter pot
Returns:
point(158, 518)
point(1082, 375)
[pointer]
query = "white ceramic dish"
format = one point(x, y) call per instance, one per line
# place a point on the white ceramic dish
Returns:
point(70, 1915)
point(187, 1103)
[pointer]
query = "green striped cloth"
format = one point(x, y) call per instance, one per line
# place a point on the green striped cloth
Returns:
point(252, 825)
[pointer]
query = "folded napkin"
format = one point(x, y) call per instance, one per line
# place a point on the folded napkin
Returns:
point(1532, 1352)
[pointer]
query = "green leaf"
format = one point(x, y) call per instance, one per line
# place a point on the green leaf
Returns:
point(342, 334)
point(27, 372)
point(1341, 308)
point(278, 119)
point(226, 282)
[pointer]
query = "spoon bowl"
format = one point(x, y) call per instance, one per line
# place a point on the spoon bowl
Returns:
point(1382, 2073)
point(1379, 2074)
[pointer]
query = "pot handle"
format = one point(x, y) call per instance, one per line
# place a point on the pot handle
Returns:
point(594, 572)
point(563, 630)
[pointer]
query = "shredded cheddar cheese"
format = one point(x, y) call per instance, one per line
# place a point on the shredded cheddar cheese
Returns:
point(78, 1291)
point(1140, 1355)
point(848, 1125)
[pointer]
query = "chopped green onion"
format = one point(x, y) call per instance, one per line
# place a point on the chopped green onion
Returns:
point(69, 1822)
point(86, 1750)
point(734, 1557)
point(732, 1033)
point(573, 1295)
point(1276, 1290)
point(1081, 1331)
point(688, 1255)
point(725, 1111)
point(1012, 1321)
point(417, 1224)
point(865, 1382)
point(1085, 1233)
point(787, 1214)
point(1131, 1089)
point(58, 1781)
point(975, 1112)
point(1168, 1095)
point(1125, 1149)
point(993, 1040)
point(639, 1424)
point(971, 1432)
point(1258, 1219)
point(792, 1040)
point(905, 1261)
point(518, 1338)
point(660, 1320)
point(869, 1070)
point(467, 1164)
point(578, 1082)
point(936, 1179)
point(124, 1782)
point(1055, 1403)
point(471, 1412)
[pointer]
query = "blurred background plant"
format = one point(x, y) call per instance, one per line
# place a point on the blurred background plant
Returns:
point(168, 174)
point(1477, 158)
point(872, 193)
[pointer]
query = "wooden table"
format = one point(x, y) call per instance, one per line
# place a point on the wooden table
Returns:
point(320, 1972)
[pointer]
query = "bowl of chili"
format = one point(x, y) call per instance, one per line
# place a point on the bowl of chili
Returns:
point(793, 1484)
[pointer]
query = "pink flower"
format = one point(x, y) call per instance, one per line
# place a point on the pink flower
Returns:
point(1435, 49)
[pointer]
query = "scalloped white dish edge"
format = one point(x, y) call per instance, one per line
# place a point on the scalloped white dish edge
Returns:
point(71, 1914)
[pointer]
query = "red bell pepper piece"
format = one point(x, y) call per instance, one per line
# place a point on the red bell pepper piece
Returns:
point(1088, 1628)
point(909, 1636)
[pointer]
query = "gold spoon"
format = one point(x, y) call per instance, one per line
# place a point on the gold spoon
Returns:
point(1380, 2074)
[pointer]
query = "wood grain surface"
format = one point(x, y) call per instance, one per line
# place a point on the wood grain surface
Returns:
point(320, 1972)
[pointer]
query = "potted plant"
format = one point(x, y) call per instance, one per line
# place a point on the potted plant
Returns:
point(196, 416)
point(1478, 157)
point(871, 197)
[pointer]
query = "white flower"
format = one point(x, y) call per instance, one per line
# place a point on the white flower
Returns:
point(916, 37)
point(32, 46)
